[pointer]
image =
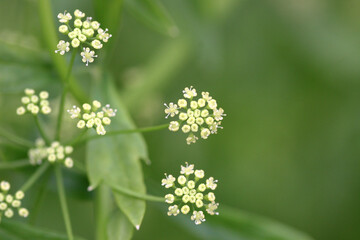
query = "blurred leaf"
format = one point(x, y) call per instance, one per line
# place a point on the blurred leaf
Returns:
point(235, 224)
point(119, 227)
point(17, 77)
point(153, 76)
point(18, 230)
point(115, 160)
point(153, 13)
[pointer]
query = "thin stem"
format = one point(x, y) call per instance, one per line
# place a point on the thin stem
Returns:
point(138, 195)
point(128, 131)
point(63, 203)
point(78, 137)
point(41, 130)
point(14, 164)
point(103, 206)
point(40, 171)
point(39, 198)
point(15, 139)
point(63, 95)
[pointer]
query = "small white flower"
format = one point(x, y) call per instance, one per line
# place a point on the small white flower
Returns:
point(63, 47)
point(206, 96)
point(20, 111)
point(96, 44)
point(174, 126)
point(88, 56)
point(211, 183)
point(168, 181)
point(23, 212)
point(74, 112)
point(191, 139)
point(109, 111)
point(219, 114)
point(64, 29)
point(69, 163)
point(212, 104)
point(171, 110)
point(103, 35)
point(199, 173)
point(5, 186)
point(211, 207)
point(95, 25)
point(169, 198)
point(79, 14)
point(211, 196)
point(205, 133)
point(9, 213)
point(44, 95)
point(182, 180)
point(185, 209)
point(29, 91)
point(198, 217)
point(189, 92)
point(64, 17)
point(173, 210)
point(100, 130)
point(188, 169)
point(19, 195)
point(75, 43)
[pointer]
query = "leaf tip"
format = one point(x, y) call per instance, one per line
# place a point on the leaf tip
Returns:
point(137, 227)
point(90, 188)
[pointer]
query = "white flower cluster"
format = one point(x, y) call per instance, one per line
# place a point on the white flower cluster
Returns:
point(191, 194)
point(33, 103)
point(90, 117)
point(195, 115)
point(82, 33)
point(55, 153)
point(9, 203)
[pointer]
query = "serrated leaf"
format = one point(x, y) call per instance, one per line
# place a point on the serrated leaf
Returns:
point(115, 160)
point(119, 227)
point(152, 13)
point(17, 230)
point(235, 224)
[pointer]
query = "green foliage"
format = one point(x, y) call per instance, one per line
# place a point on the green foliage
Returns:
point(12, 230)
point(115, 160)
point(119, 227)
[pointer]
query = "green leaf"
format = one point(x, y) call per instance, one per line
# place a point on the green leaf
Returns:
point(119, 227)
point(153, 13)
point(235, 224)
point(17, 77)
point(115, 160)
point(16, 230)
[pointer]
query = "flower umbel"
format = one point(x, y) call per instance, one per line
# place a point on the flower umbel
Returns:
point(33, 103)
point(10, 203)
point(90, 117)
point(191, 192)
point(53, 153)
point(84, 33)
point(197, 117)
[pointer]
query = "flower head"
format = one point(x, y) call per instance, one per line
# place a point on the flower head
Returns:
point(33, 103)
point(53, 153)
point(90, 116)
point(197, 117)
point(10, 203)
point(84, 33)
point(191, 193)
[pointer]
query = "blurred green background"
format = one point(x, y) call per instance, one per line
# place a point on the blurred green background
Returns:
point(287, 73)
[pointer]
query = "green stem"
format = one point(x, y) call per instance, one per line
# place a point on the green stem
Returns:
point(128, 131)
point(63, 203)
point(15, 164)
point(63, 95)
point(39, 198)
point(41, 130)
point(103, 204)
point(40, 171)
point(15, 139)
point(138, 195)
